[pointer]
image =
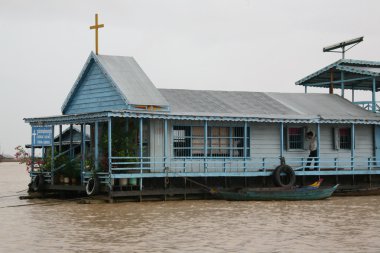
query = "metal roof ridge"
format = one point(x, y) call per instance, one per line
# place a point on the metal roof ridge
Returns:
point(318, 72)
point(359, 62)
point(286, 105)
point(263, 92)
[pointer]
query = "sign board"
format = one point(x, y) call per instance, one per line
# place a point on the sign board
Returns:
point(42, 135)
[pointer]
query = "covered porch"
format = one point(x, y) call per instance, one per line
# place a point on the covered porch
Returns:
point(128, 163)
point(347, 74)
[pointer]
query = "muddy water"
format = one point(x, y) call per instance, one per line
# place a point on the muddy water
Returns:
point(350, 224)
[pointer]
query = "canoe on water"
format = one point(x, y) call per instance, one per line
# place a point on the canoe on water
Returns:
point(278, 193)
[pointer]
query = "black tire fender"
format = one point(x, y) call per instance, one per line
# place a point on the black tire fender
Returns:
point(92, 186)
point(284, 169)
point(38, 183)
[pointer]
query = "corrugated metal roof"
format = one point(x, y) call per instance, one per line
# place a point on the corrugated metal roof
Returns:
point(127, 77)
point(371, 71)
point(352, 68)
point(263, 105)
point(131, 80)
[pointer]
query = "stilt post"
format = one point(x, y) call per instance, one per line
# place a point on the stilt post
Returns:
point(96, 151)
point(52, 155)
point(374, 95)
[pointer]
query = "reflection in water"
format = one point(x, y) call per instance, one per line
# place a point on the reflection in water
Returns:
point(350, 224)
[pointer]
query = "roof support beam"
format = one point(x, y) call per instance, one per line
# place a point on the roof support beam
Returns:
point(337, 81)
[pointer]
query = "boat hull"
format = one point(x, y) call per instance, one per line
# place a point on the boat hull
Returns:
point(279, 194)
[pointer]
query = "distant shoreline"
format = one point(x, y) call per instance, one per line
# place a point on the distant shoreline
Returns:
point(8, 160)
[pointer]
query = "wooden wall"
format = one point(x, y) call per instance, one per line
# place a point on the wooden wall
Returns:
point(94, 93)
point(265, 141)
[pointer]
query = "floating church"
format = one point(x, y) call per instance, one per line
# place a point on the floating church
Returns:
point(139, 141)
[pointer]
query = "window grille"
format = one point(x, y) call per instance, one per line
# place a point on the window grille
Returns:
point(345, 138)
point(188, 141)
point(296, 137)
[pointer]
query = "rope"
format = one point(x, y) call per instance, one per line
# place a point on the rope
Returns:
point(15, 195)
point(195, 182)
point(46, 203)
point(8, 196)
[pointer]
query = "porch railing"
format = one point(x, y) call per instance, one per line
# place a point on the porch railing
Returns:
point(219, 166)
point(368, 105)
point(145, 167)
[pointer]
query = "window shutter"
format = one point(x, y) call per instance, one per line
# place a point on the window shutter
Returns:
point(336, 138)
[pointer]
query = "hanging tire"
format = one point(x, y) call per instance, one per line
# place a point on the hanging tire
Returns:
point(37, 184)
point(92, 186)
point(281, 180)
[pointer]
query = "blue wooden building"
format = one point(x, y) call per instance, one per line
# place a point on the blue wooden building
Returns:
point(150, 141)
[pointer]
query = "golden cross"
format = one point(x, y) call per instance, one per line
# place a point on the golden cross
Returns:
point(96, 27)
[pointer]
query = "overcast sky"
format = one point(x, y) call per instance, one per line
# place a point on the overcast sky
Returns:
point(198, 44)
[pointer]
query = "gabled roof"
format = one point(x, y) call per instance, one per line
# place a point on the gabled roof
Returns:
point(126, 76)
point(238, 106)
point(264, 105)
point(133, 83)
point(357, 73)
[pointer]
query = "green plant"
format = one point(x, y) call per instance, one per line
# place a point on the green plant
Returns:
point(124, 141)
point(71, 169)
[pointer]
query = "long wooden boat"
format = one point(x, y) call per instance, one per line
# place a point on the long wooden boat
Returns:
point(278, 193)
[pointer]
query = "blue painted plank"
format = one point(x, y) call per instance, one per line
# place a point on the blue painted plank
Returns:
point(95, 93)
point(242, 174)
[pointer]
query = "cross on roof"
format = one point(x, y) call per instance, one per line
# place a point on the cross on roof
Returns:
point(96, 27)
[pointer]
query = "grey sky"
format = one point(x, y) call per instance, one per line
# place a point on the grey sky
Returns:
point(198, 44)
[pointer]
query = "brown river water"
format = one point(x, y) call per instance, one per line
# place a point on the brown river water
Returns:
point(339, 224)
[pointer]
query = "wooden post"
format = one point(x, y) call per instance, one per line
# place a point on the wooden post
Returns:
point(165, 142)
point(71, 142)
point(374, 94)
point(205, 144)
point(109, 145)
point(60, 139)
point(281, 139)
point(83, 151)
point(331, 90)
point(52, 155)
point(352, 146)
point(245, 145)
point(96, 146)
point(342, 83)
point(318, 145)
point(141, 152)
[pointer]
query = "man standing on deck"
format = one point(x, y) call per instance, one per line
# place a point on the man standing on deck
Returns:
point(313, 150)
